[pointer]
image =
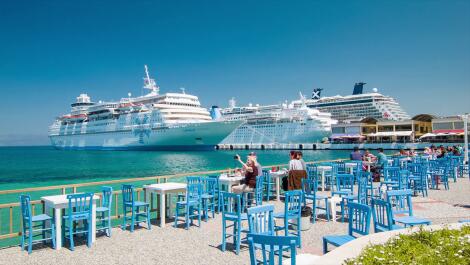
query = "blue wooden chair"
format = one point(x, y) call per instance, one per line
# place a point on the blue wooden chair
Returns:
point(365, 178)
point(217, 193)
point(268, 242)
point(292, 210)
point(79, 210)
point(382, 215)
point(312, 171)
point(309, 189)
point(31, 225)
point(209, 195)
point(269, 184)
point(359, 223)
point(404, 179)
point(232, 217)
point(400, 202)
point(191, 204)
point(103, 213)
point(344, 189)
point(130, 204)
point(254, 197)
point(340, 167)
point(193, 179)
point(391, 177)
point(418, 178)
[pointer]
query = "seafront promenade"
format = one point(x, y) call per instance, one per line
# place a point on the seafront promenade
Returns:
point(169, 245)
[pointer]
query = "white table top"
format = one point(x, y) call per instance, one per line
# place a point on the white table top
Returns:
point(226, 178)
point(280, 173)
point(168, 186)
point(60, 200)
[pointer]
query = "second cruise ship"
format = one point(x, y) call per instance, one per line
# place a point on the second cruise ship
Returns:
point(170, 121)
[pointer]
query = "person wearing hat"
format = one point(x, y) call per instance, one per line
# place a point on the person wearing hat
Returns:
point(260, 168)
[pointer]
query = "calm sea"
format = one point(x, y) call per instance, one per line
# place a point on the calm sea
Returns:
point(22, 167)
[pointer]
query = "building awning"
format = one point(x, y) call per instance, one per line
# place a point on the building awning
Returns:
point(428, 135)
point(345, 135)
point(388, 134)
point(450, 132)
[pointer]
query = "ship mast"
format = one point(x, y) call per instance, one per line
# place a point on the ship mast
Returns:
point(150, 83)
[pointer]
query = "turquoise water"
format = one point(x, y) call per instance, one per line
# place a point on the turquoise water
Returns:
point(22, 167)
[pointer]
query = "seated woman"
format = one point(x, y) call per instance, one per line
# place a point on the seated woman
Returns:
point(251, 172)
point(297, 172)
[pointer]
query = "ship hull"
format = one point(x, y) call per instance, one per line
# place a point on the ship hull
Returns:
point(279, 133)
point(197, 136)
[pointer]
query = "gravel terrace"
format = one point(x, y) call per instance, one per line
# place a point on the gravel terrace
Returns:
point(202, 245)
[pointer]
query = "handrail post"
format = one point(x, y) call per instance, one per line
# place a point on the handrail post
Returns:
point(116, 209)
point(63, 190)
point(11, 219)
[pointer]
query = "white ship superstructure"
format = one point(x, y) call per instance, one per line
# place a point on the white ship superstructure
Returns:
point(276, 124)
point(357, 106)
point(170, 121)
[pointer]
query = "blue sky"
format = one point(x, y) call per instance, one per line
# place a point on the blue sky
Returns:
point(256, 51)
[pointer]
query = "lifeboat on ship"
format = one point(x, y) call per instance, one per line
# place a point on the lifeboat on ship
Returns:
point(74, 118)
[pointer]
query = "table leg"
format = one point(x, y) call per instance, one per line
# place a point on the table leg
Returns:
point(93, 221)
point(162, 209)
point(278, 189)
point(58, 228)
point(229, 188)
point(323, 180)
point(169, 204)
point(332, 203)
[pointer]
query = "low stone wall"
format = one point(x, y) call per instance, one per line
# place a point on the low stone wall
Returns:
point(353, 249)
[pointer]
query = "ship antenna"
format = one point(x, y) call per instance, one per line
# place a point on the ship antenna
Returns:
point(150, 83)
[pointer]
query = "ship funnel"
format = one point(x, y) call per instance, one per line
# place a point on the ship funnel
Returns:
point(358, 87)
point(316, 94)
point(215, 113)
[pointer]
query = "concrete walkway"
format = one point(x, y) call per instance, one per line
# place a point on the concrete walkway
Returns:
point(202, 245)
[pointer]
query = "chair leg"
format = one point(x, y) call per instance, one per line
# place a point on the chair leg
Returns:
point(325, 246)
point(72, 246)
point(206, 210)
point(224, 234)
point(89, 233)
point(238, 233)
point(53, 234)
point(176, 215)
point(133, 211)
point(109, 223)
point(149, 225)
point(327, 209)
point(123, 226)
point(213, 207)
point(30, 240)
point(22, 239)
point(186, 217)
point(199, 214)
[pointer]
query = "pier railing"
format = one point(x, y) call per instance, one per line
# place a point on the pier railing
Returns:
point(10, 214)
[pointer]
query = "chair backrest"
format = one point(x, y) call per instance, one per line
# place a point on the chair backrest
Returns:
point(107, 197)
point(269, 242)
point(363, 183)
point(127, 193)
point(25, 202)
point(312, 171)
point(344, 182)
point(404, 179)
point(193, 179)
point(260, 219)
point(359, 219)
point(400, 201)
point(340, 167)
point(392, 173)
point(193, 192)
point(79, 203)
point(293, 203)
point(382, 215)
point(231, 204)
point(210, 185)
point(259, 189)
point(309, 186)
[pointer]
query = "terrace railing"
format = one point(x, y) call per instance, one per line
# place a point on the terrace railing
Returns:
point(10, 215)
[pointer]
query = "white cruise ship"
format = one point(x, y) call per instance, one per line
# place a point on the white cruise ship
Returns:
point(276, 124)
point(170, 121)
point(357, 106)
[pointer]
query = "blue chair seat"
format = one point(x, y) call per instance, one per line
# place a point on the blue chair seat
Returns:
point(137, 203)
point(350, 197)
point(207, 196)
point(82, 216)
point(40, 218)
point(180, 203)
point(338, 240)
point(321, 197)
point(281, 215)
point(102, 209)
point(411, 220)
point(380, 228)
point(243, 216)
